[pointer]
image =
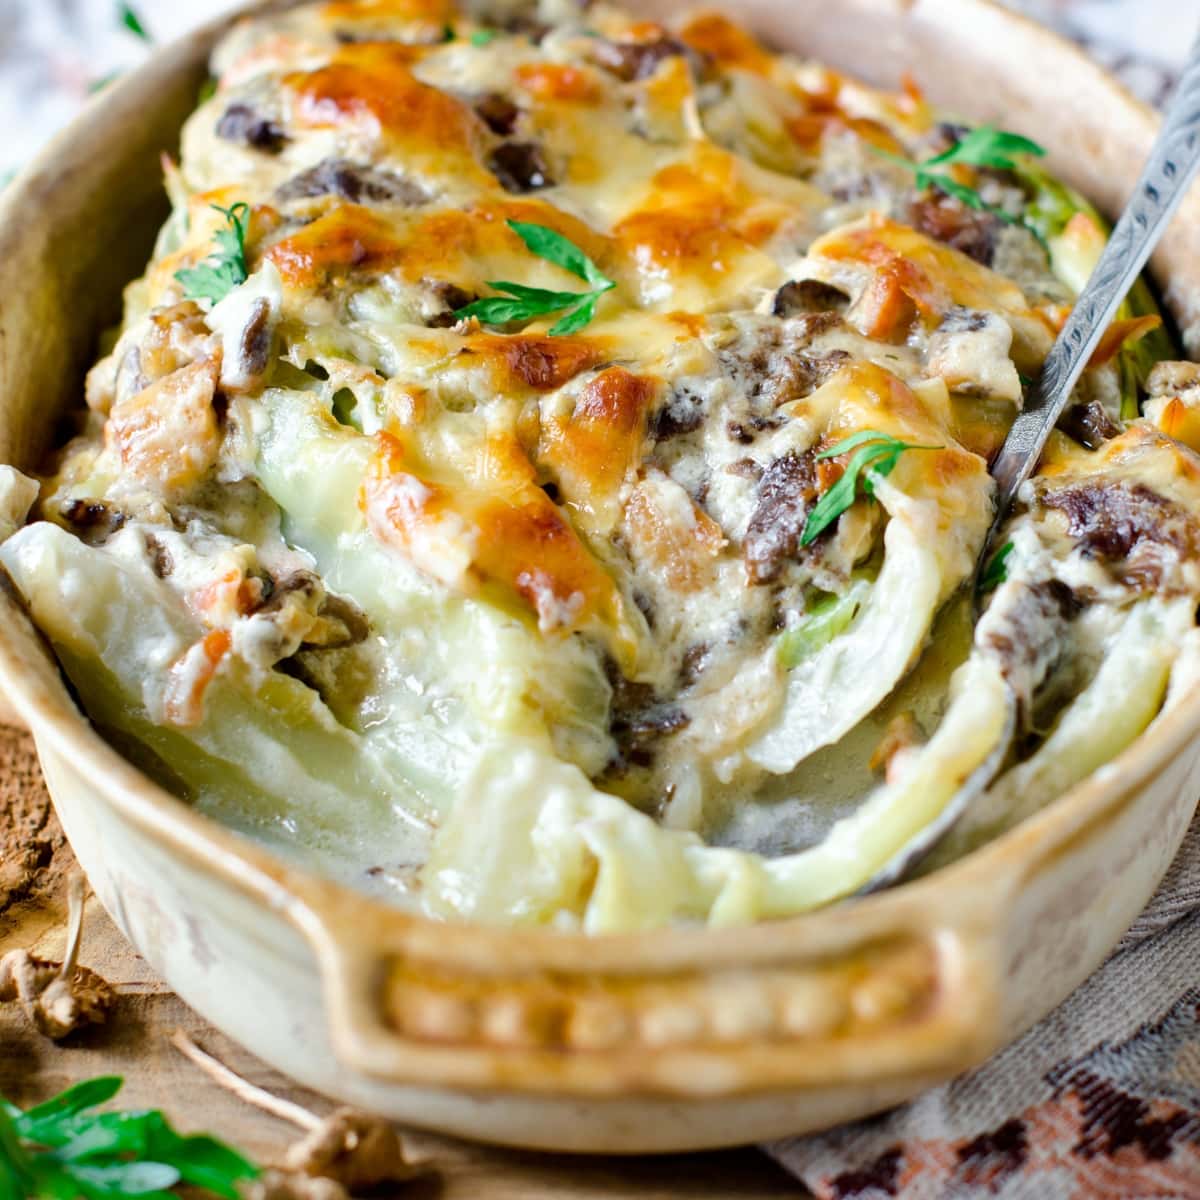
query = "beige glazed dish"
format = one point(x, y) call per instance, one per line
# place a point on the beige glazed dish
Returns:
point(661, 1041)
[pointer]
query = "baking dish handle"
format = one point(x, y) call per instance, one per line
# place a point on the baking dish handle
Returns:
point(891, 1010)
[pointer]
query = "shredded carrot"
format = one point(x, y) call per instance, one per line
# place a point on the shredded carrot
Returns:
point(191, 675)
point(1121, 334)
point(1182, 423)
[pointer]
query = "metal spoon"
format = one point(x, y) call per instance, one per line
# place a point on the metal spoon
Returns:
point(1169, 171)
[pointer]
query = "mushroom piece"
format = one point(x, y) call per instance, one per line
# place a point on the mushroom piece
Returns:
point(520, 167)
point(246, 126)
point(344, 1153)
point(245, 321)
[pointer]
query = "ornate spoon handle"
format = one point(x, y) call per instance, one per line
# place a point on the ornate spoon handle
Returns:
point(1164, 181)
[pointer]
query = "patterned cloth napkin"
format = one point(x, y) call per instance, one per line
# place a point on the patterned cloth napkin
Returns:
point(1102, 1100)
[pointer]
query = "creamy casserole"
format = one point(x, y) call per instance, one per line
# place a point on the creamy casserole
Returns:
point(536, 476)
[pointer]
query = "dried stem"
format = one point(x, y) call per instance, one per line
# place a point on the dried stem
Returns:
point(75, 899)
point(242, 1088)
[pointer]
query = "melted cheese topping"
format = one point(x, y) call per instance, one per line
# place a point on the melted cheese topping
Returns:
point(402, 565)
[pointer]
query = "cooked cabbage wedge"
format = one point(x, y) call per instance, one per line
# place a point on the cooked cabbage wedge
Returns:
point(537, 473)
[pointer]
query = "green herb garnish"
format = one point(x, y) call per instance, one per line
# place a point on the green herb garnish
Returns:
point(224, 270)
point(60, 1150)
point(521, 303)
point(875, 454)
point(129, 18)
point(483, 37)
point(996, 572)
point(986, 146)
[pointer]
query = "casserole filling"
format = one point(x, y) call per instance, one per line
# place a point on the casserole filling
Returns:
point(537, 475)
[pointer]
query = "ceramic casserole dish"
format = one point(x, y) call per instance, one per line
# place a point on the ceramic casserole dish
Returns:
point(668, 1040)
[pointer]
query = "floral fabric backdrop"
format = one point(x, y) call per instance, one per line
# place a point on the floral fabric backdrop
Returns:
point(53, 51)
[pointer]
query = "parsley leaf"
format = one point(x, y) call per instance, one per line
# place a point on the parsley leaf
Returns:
point(985, 146)
point(553, 247)
point(130, 19)
point(61, 1150)
point(522, 303)
point(226, 268)
point(483, 37)
point(996, 572)
point(875, 454)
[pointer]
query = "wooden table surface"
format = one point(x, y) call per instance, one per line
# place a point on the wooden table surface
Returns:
point(35, 863)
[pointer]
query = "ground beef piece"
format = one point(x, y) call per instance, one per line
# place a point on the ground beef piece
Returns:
point(774, 362)
point(520, 167)
point(637, 734)
point(640, 720)
point(355, 627)
point(243, 124)
point(1026, 635)
point(93, 521)
point(1128, 526)
point(498, 113)
point(775, 375)
point(949, 220)
point(354, 183)
point(254, 348)
point(808, 296)
point(161, 561)
point(452, 297)
point(745, 468)
point(786, 493)
point(1089, 424)
point(746, 432)
point(633, 61)
point(683, 413)
point(808, 373)
point(526, 26)
point(965, 320)
point(694, 662)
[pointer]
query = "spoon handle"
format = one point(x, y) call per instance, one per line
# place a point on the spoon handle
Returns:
point(1164, 181)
